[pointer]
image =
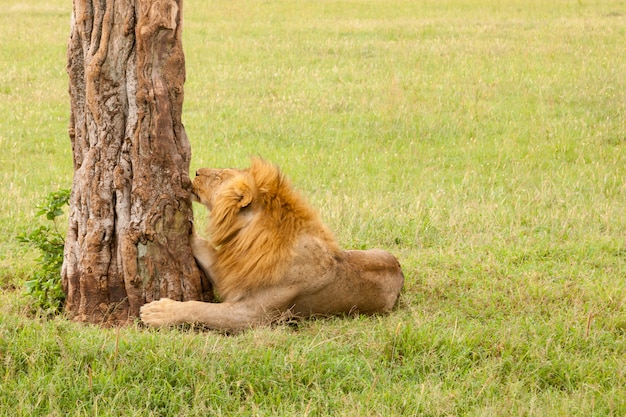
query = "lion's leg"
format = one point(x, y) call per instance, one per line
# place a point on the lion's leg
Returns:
point(202, 252)
point(363, 281)
point(261, 308)
point(218, 316)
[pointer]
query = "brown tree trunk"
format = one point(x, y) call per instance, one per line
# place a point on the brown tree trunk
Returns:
point(130, 208)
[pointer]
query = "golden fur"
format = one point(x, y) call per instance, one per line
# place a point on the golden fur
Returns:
point(255, 251)
point(268, 254)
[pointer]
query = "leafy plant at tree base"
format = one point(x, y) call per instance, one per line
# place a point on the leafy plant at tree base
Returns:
point(45, 287)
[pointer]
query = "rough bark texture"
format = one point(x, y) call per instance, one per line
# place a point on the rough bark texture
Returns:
point(130, 208)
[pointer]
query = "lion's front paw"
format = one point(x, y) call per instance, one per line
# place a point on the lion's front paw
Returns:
point(158, 313)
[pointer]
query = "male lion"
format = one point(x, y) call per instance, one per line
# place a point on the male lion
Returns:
point(269, 256)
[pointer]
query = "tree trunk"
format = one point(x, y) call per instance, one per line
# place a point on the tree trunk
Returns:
point(130, 208)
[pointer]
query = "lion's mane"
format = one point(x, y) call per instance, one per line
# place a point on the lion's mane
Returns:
point(254, 225)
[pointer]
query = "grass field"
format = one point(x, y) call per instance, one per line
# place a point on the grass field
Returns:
point(483, 142)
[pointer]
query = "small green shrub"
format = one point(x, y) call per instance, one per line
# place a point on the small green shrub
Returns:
point(45, 287)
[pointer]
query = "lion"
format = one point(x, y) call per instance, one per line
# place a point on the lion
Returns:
point(270, 257)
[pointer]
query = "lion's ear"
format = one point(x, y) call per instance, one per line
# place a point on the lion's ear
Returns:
point(243, 189)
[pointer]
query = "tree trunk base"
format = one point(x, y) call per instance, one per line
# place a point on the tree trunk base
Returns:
point(130, 209)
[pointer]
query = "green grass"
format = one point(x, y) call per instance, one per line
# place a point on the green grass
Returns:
point(482, 142)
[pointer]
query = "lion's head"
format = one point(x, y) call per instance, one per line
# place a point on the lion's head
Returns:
point(233, 184)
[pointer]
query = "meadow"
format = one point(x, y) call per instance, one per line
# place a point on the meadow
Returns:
point(482, 142)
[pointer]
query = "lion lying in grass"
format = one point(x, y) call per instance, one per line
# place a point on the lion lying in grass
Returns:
point(269, 256)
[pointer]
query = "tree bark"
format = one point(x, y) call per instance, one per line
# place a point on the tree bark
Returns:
point(130, 208)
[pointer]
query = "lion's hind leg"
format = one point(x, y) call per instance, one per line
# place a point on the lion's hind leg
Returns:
point(377, 277)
